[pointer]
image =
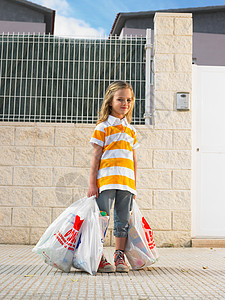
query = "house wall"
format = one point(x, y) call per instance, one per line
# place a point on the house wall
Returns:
point(45, 167)
point(22, 27)
point(203, 21)
point(13, 11)
point(23, 16)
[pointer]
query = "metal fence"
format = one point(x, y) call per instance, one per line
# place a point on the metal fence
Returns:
point(52, 79)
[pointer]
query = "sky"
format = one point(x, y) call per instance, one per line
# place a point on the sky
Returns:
point(94, 18)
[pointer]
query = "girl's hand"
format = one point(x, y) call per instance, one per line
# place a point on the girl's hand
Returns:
point(92, 190)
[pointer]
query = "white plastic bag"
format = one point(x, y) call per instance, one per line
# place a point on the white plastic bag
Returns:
point(56, 246)
point(104, 222)
point(140, 248)
point(89, 250)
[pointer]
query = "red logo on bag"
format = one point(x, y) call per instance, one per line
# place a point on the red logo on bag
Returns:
point(148, 233)
point(69, 238)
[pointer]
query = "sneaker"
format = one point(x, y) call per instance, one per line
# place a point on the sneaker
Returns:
point(119, 260)
point(105, 266)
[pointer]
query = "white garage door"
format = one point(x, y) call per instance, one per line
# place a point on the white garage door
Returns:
point(208, 184)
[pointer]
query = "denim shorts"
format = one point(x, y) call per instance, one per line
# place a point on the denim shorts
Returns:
point(122, 207)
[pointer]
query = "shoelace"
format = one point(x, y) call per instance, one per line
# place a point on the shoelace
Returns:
point(104, 261)
point(119, 256)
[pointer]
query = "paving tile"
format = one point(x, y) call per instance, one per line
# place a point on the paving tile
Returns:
point(180, 273)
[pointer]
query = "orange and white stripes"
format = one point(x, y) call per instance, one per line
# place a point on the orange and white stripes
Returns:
point(118, 139)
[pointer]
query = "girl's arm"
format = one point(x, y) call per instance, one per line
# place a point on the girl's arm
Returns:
point(97, 153)
point(135, 168)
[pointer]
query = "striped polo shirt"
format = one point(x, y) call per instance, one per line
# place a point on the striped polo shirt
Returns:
point(118, 139)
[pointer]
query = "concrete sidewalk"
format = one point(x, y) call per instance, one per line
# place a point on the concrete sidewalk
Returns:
point(189, 273)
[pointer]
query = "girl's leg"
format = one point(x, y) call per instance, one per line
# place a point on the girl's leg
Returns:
point(120, 243)
point(105, 200)
point(122, 208)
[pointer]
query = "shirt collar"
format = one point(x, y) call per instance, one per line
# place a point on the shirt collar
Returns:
point(116, 121)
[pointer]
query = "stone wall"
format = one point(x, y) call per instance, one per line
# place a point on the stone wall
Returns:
point(45, 167)
point(172, 74)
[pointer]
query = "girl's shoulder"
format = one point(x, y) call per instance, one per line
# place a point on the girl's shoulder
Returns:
point(101, 126)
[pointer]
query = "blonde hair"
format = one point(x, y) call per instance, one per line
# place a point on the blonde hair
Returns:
point(109, 94)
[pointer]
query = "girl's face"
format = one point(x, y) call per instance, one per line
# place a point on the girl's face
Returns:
point(121, 103)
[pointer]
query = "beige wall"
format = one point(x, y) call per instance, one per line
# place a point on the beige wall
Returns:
point(172, 74)
point(45, 167)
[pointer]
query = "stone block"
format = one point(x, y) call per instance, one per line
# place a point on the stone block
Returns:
point(7, 156)
point(172, 238)
point(71, 177)
point(183, 63)
point(79, 193)
point(27, 216)
point(36, 234)
point(12, 235)
point(25, 136)
point(144, 198)
point(173, 82)
point(18, 196)
point(54, 156)
point(83, 156)
point(65, 136)
point(153, 179)
point(15, 196)
point(144, 159)
point(172, 200)
point(83, 136)
point(182, 220)
point(164, 63)
point(181, 179)
point(45, 136)
point(158, 219)
point(11, 156)
point(24, 156)
point(164, 26)
point(4, 196)
point(164, 100)
point(77, 136)
point(182, 140)
point(35, 136)
point(149, 139)
point(6, 136)
point(33, 176)
point(5, 216)
point(183, 26)
point(52, 197)
point(6, 175)
point(172, 159)
point(168, 44)
point(173, 120)
point(56, 213)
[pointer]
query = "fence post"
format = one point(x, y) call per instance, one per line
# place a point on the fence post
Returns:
point(148, 48)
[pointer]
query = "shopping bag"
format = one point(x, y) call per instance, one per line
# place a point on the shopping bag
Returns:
point(104, 223)
point(140, 248)
point(57, 244)
point(89, 249)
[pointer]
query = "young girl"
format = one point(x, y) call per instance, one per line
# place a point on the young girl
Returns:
point(114, 165)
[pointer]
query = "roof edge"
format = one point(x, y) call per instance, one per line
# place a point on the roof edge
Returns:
point(122, 16)
point(34, 5)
